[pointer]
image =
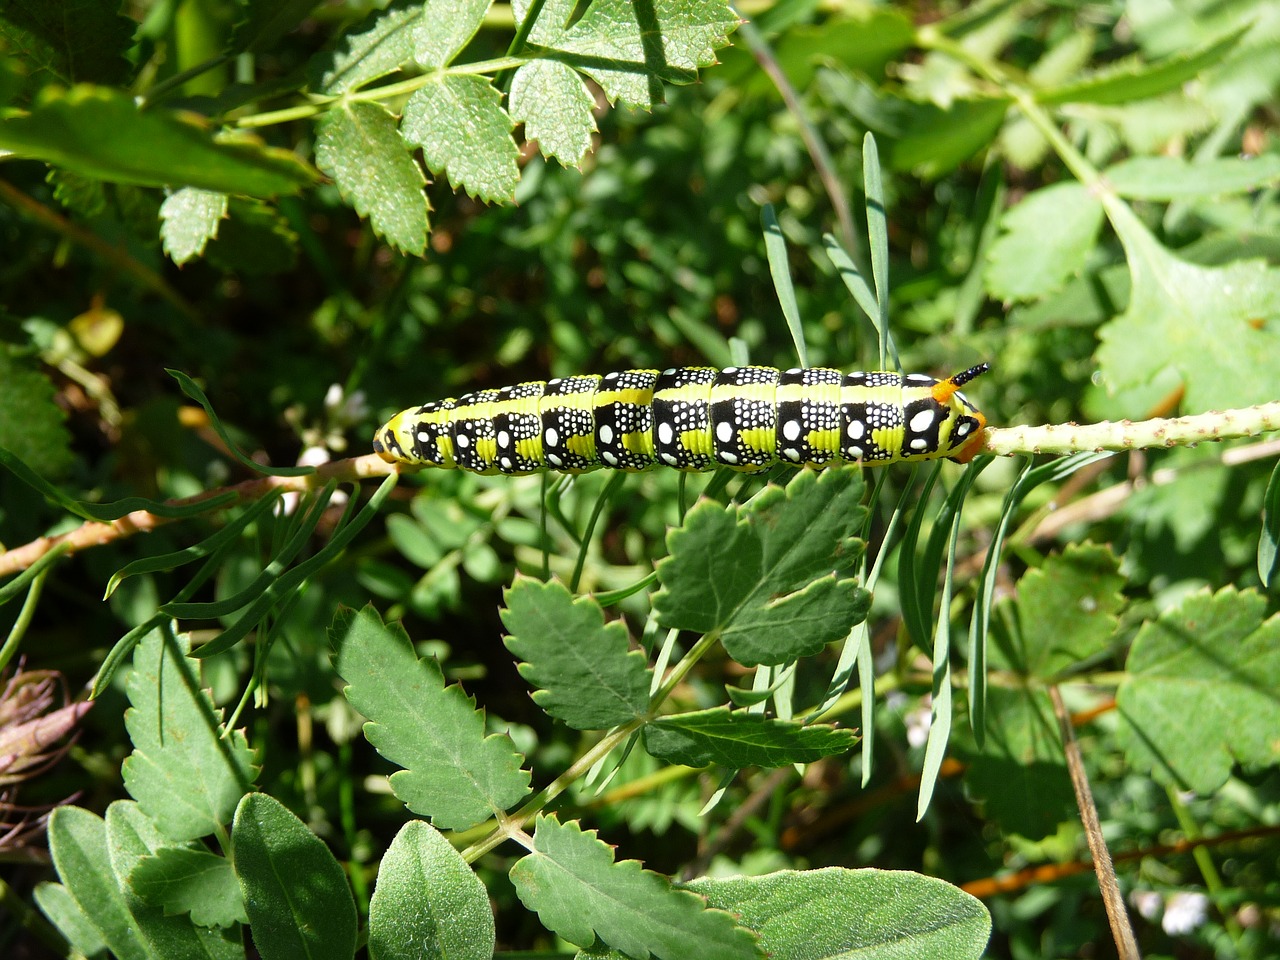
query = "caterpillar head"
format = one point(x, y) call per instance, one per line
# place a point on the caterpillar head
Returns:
point(965, 426)
point(393, 441)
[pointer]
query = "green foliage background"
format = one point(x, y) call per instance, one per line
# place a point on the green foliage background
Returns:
point(280, 250)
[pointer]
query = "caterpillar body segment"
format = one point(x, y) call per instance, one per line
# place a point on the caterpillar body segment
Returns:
point(692, 418)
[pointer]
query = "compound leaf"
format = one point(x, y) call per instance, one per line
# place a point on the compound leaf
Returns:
point(184, 880)
point(556, 109)
point(580, 667)
point(579, 892)
point(1201, 690)
point(736, 740)
point(1027, 261)
point(358, 145)
point(183, 772)
point(452, 772)
point(768, 575)
point(189, 219)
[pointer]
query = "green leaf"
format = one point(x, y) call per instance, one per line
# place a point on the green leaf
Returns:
point(1020, 772)
point(132, 837)
point(867, 914)
point(255, 239)
point(1217, 326)
point(767, 576)
point(184, 773)
point(1174, 178)
point(580, 667)
point(445, 28)
point(189, 219)
point(1269, 537)
point(1200, 694)
point(1027, 261)
point(32, 426)
point(264, 22)
point(556, 109)
point(196, 882)
point(294, 890)
point(1138, 80)
point(579, 893)
point(741, 740)
point(358, 145)
point(102, 133)
point(1067, 612)
point(465, 134)
point(428, 903)
point(78, 846)
point(56, 902)
point(379, 45)
point(935, 141)
point(631, 49)
point(452, 772)
point(67, 41)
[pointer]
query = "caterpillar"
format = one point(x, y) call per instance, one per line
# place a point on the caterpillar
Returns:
point(692, 418)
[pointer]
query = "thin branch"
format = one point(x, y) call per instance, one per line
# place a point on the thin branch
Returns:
point(1121, 929)
point(94, 534)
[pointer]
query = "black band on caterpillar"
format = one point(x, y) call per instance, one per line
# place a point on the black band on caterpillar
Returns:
point(692, 418)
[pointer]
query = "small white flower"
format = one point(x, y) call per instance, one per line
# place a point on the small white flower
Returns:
point(1184, 911)
point(1147, 903)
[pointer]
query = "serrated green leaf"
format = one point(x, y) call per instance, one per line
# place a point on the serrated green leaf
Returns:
point(1020, 772)
point(102, 133)
point(85, 195)
point(767, 576)
point(1067, 612)
point(78, 845)
point(68, 41)
point(189, 219)
point(1200, 694)
point(378, 45)
point(273, 850)
point(184, 774)
point(445, 28)
point(868, 914)
point(131, 837)
point(1174, 178)
point(741, 739)
point(32, 426)
point(579, 892)
point(182, 880)
point(1138, 80)
point(580, 667)
point(631, 49)
point(428, 903)
point(464, 133)
point(1027, 261)
point(1217, 326)
point(56, 902)
point(556, 109)
point(357, 144)
point(452, 772)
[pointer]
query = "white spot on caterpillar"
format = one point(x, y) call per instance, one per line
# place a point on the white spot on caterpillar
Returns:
point(424, 436)
point(791, 430)
point(669, 371)
point(921, 421)
point(728, 457)
point(552, 437)
point(506, 462)
point(554, 460)
point(857, 430)
point(963, 427)
point(919, 443)
point(791, 453)
point(609, 458)
point(504, 438)
point(855, 452)
point(671, 459)
point(724, 431)
point(665, 433)
point(729, 370)
point(463, 441)
point(606, 433)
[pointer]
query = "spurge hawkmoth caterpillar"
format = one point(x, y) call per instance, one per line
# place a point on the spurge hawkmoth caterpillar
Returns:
point(692, 418)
